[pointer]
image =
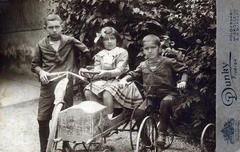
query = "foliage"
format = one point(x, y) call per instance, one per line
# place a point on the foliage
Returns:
point(185, 26)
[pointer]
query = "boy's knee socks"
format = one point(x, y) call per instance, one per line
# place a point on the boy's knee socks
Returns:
point(165, 111)
point(43, 134)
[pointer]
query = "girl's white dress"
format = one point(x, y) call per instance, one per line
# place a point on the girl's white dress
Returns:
point(116, 61)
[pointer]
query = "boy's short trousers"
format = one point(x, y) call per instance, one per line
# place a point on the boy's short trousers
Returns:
point(46, 100)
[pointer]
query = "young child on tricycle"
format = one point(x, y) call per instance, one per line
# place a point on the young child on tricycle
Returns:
point(159, 81)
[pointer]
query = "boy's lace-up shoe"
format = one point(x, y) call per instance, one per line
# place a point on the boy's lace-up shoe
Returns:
point(161, 140)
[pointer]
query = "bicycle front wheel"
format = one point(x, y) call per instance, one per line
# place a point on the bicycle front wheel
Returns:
point(51, 146)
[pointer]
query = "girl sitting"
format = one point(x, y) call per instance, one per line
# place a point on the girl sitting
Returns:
point(111, 62)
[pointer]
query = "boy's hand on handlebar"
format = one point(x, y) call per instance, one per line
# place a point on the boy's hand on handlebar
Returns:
point(181, 85)
point(43, 77)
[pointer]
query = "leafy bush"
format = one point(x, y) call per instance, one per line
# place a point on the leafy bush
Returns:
point(186, 26)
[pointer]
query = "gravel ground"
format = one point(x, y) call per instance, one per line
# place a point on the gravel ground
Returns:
point(18, 128)
point(19, 132)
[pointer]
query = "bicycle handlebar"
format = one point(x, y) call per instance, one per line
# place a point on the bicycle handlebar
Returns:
point(91, 72)
point(66, 73)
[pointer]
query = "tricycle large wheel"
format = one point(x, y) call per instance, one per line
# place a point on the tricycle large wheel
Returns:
point(208, 138)
point(51, 146)
point(133, 129)
point(169, 137)
point(147, 136)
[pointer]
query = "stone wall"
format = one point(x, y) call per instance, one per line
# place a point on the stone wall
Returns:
point(20, 29)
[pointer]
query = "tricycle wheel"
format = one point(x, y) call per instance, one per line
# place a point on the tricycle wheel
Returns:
point(147, 135)
point(51, 146)
point(133, 129)
point(208, 139)
point(169, 137)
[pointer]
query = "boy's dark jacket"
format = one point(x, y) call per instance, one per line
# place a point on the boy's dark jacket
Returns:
point(159, 76)
point(47, 59)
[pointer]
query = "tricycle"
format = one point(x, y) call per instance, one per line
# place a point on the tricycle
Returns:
point(85, 125)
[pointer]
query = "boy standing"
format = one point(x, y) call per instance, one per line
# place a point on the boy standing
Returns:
point(54, 53)
point(159, 80)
